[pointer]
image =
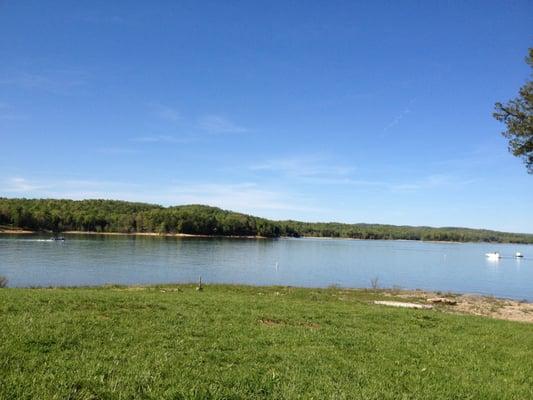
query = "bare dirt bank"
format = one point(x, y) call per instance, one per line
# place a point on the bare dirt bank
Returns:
point(471, 304)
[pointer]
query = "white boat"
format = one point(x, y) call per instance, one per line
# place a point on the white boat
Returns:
point(493, 256)
point(518, 255)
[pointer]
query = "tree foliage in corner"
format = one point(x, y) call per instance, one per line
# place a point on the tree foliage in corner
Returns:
point(517, 114)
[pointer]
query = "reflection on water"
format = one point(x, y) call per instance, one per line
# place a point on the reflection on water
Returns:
point(98, 259)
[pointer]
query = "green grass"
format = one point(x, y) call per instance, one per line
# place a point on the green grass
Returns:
point(236, 342)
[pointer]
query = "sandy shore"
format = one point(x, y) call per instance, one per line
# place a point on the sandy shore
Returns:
point(21, 231)
point(162, 234)
point(472, 304)
point(16, 231)
point(24, 231)
point(388, 240)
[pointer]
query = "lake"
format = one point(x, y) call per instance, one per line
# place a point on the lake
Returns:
point(100, 259)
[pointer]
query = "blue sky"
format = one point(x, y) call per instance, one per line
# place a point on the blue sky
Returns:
point(314, 110)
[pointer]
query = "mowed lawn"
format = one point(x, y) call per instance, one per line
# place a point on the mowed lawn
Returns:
point(238, 342)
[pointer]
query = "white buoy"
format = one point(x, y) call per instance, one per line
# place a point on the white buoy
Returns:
point(277, 266)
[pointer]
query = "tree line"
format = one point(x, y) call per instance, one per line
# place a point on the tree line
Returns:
point(127, 217)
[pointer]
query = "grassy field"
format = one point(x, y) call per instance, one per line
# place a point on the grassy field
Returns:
point(236, 342)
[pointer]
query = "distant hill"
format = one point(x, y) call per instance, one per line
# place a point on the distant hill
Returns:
point(58, 215)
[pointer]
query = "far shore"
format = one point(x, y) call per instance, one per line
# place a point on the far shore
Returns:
point(392, 240)
point(17, 231)
point(29, 232)
point(161, 234)
point(4, 230)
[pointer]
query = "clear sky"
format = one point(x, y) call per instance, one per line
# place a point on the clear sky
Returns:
point(375, 111)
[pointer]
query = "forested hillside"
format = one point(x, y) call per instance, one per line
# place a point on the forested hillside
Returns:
point(127, 217)
point(122, 216)
point(395, 232)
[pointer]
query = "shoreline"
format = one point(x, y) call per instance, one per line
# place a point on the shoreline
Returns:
point(17, 231)
point(391, 240)
point(162, 235)
point(447, 302)
point(189, 235)
point(155, 234)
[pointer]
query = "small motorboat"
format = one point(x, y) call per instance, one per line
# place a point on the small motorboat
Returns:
point(58, 239)
point(493, 256)
point(518, 255)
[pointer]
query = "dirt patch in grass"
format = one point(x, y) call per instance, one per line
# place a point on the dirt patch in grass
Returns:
point(271, 322)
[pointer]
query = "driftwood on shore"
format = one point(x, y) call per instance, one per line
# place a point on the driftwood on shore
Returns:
point(442, 300)
point(402, 304)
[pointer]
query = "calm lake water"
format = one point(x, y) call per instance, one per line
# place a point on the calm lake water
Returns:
point(96, 260)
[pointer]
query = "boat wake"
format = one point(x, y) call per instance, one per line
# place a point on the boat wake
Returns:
point(35, 240)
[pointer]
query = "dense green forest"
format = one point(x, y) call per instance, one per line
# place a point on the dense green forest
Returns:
point(121, 216)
